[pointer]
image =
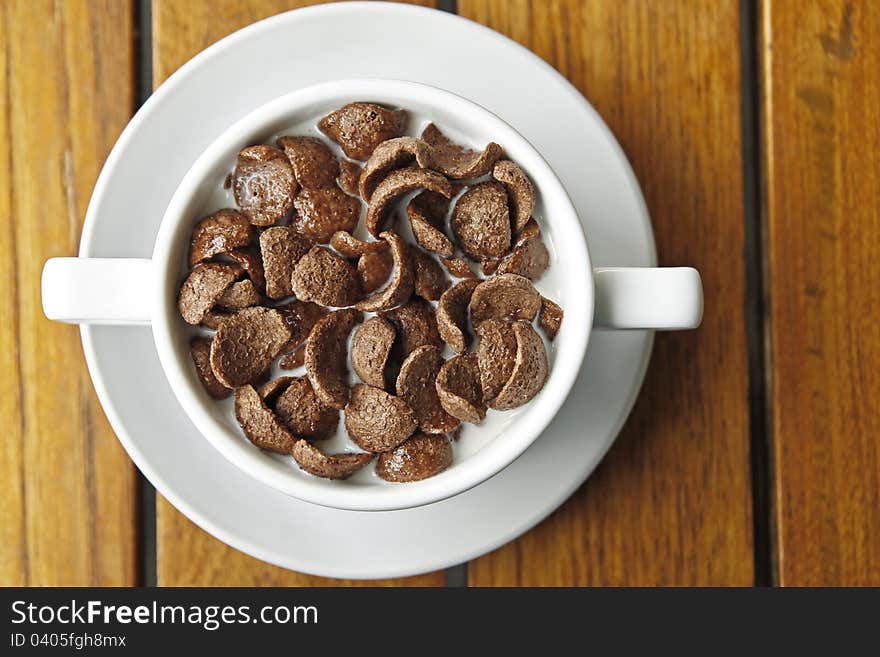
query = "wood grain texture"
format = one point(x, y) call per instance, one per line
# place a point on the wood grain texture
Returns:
point(671, 503)
point(821, 82)
point(182, 29)
point(69, 511)
point(188, 556)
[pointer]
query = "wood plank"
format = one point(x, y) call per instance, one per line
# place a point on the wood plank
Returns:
point(821, 81)
point(188, 556)
point(182, 29)
point(69, 512)
point(671, 503)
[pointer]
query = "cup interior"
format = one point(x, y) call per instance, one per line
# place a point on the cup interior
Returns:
point(481, 450)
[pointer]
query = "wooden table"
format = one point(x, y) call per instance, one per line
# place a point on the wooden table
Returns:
point(753, 453)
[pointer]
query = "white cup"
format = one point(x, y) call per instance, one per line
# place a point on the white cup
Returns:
point(139, 291)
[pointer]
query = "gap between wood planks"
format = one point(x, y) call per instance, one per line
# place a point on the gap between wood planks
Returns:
point(456, 575)
point(754, 314)
point(143, 77)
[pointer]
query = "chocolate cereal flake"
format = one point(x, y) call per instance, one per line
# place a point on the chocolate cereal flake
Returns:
point(377, 421)
point(259, 423)
point(427, 217)
point(530, 369)
point(374, 269)
point(326, 356)
point(550, 318)
point(263, 184)
point(216, 317)
point(359, 127)
point(205, 284)
point(531, 229)
point(251, 260)
point(329, 466)
point(496, 355)
point(520, 192)
point(529, 258)
point(293, 360)
point(271, 390)
point(322, 212)
point(351, 247)
point(263, 378)
point(456, 161)
point(219, 233)
point(416, 325)
point(400, 287)
point(416, 385)
point(419, 457)
point(481, 221)
point(459, 390)
point(458, 268)
point(282, 247)
point(241, 294)
point(300, 316)
point(314, 164)
point(300, 410)
point(430, 279)
point(200, 350)
point(349, 177)
point(389, 155)
point(370, 348)
point(489, 266)
point(505, 296)
point(246, 343)
point(325, 278)
point(452, 315)
point(396, 183)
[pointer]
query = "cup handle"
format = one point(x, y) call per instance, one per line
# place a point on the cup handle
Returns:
point(665, 298)
point(98, 290)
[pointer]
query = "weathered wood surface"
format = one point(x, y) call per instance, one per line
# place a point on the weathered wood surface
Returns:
point(69, 492)
point(821, 86)
point(672, 502)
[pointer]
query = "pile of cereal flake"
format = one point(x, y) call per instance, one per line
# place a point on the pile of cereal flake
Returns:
point(283, 279)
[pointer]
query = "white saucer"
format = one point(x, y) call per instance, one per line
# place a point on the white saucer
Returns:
point(246, 70)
